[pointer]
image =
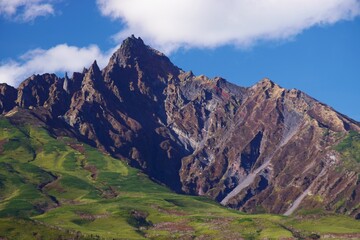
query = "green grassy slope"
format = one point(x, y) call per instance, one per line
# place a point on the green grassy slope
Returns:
point(62, 189)
point(349, 148)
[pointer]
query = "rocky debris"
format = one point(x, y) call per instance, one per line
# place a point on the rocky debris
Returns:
point(91, 217)
point(258, 149)
point(174, 227)
point(139, 220)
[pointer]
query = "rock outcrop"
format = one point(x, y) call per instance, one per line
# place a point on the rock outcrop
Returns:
point(8, 96)
point(258, 149)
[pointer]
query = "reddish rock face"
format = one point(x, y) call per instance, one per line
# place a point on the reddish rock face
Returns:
point(258, 149)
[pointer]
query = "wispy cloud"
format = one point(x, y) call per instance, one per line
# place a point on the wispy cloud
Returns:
point(60, 58)
point(26, 10)
point(170, 24)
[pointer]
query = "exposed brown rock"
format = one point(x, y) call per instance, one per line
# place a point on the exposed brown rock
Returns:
point(258, 149)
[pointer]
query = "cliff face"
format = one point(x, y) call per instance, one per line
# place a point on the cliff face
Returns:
point(258, 149)
point(8, 95)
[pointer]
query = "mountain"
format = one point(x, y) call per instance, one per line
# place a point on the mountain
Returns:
point(262, 149)
point(59, 188)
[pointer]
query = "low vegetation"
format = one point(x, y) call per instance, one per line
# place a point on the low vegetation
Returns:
point(350, 146)
point(58, 188)
point(349, 149)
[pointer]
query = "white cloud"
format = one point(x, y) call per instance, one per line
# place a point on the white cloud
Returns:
point(61, 58)
point(26, 10)
point(170, 24)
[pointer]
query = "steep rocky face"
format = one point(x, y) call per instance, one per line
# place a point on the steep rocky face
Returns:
point(44, 91)
point(258, 149)
point(8, 96)
point(121, 110)
point(274, 148)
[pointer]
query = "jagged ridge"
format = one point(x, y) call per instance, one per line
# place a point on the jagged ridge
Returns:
point(254, 149)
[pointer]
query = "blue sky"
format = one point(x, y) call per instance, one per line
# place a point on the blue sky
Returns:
point(310, 45)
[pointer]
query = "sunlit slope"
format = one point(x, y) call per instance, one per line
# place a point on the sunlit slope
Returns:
point(58, 188)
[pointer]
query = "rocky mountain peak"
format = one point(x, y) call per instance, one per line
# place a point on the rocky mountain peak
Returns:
point(132, 44)
point(92, 75)
point(66, 83)
point(199, 135)
point(140, 61)
point(131, 50)
point(4, 88)
point(266, 83)
point(94, 69)
point(267, 88)
point(34, 91)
